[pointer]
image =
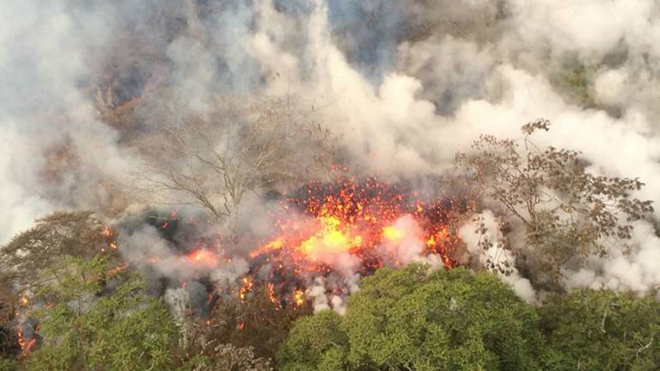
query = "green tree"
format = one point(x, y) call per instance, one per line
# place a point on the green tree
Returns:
point(121, 330)
point(566, 212)
point(53, 239)
point(601, 330)
point(315, 343)
point(8, 364)
point(414, 319)
point(34, 264)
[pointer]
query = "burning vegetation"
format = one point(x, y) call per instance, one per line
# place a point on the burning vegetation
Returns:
point(324, 232)
point(350, 229)
point(326, 236)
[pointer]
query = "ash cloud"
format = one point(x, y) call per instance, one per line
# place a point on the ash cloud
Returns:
point(402, 85)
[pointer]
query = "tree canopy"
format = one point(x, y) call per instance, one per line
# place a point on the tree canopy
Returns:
point(601, 330)
point(125, 330)
point(413, 319)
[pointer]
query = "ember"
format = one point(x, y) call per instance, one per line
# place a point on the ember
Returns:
point(352, 228)
point(202, 257)
point(337, 232)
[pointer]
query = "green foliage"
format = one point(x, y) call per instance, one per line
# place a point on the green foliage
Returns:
point(410, 319)
point(8, 365)
point(601, 330)
point(123, 330)
point(567, 213)
point(45, 247)
point(315, 341)
point(94, 313)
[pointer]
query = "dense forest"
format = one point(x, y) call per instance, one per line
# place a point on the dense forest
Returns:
point(211, 185)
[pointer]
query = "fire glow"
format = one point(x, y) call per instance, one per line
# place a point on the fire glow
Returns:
point(359, 221)
point(325, 232)
point(349, 229)
point(202, 257)
point(25, 344)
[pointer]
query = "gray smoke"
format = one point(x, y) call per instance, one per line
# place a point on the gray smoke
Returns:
point(401, 85)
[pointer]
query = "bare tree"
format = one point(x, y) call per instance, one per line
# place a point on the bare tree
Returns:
point(213, 161)
point(567, 213)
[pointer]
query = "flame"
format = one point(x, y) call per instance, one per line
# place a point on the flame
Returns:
point(393, 234)
point(246, 288)
point(354, 219)
point(441, 243)
point(298, 298)
point(345, 227)
point(109, 236)
point(106, 232)
point(25, 345)
point(274, 245)
point(350, 226)
point(202, 257)
point(23, 300)
point(118, 269)
point(331, 239)
point(271, 295)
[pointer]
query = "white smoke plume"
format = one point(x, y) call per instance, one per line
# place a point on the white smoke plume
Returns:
point(496, 256)
point(403, 85)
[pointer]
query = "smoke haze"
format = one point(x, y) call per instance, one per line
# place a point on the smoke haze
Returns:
point(400, 85)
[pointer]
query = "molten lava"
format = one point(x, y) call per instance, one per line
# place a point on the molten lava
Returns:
point(358, 220)
point(351, 228)
point(331, 238)
point(202, 257)
point(393, 234)
point(298, 298)
point(329, 233)
point(25, 344)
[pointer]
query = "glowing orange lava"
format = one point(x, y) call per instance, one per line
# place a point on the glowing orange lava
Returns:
point(118, 269)
point(202, 257)
point(357, 219)
point(299, 298)
point(106, 232)
point(343, 229)
point(25, 345)
point(331, 238)
point(247, 287)
point(393, 234)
